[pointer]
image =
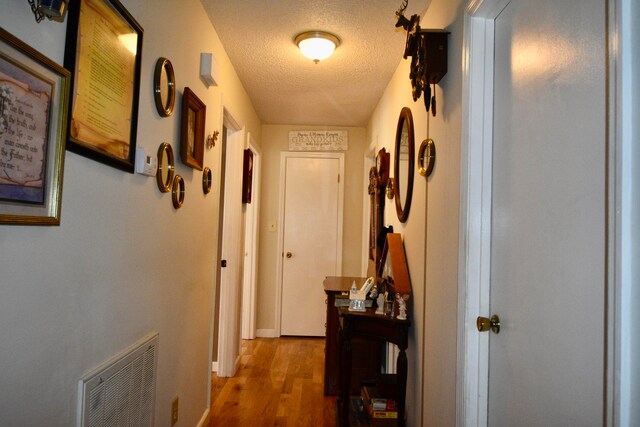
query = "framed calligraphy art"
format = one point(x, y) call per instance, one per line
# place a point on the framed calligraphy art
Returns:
point(103, 52)
point(34, 94)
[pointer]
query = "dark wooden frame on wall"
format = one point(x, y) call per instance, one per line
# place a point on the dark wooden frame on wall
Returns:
point(192, 134)
point(104, 146)
point(247, 175)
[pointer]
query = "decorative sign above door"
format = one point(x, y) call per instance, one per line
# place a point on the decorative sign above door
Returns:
point(318, 140)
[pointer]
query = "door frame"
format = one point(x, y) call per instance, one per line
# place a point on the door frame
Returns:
point(475, 214)
point(281, 203)
point(229, 320)
point(369, 160)
point(251, 230)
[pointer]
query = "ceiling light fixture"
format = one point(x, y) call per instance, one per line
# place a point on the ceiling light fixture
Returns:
point(317, 45)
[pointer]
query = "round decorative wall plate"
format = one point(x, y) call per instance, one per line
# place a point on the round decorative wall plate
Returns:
point(426, 157)
point(166, 167)
point(164, 87)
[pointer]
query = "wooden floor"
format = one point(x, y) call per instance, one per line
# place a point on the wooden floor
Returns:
point(279, 383)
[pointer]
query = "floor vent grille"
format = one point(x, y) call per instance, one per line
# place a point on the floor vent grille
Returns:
point(121, 392)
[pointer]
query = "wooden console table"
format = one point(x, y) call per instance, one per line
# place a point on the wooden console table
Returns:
point(376, 327)
point(379, 328)
point(366, 351)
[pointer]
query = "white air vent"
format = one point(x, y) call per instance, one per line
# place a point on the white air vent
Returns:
point(121, 391)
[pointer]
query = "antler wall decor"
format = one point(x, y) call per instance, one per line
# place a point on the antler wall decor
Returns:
point(428, 52)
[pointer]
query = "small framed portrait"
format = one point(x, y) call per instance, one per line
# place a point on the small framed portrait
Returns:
point(192, 130)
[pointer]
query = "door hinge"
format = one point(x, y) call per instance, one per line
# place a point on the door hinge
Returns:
point(338, 178)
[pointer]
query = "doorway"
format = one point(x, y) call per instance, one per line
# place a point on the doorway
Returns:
point(251, 245)
point(310, 243)
point(229, 265)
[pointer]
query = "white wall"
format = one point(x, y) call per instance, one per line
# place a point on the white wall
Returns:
point(275, 139)
point(431, 231)
point(122, 262)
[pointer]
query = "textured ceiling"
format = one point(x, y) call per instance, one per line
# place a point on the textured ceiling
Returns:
point(287, 88)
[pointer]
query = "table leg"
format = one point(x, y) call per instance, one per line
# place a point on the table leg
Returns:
point(344, 345)
point(401, 370)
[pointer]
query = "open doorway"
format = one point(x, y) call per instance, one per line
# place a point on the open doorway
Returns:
point(226, 340)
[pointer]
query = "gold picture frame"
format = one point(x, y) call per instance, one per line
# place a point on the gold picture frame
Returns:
point(34, 96)
point(164, 87)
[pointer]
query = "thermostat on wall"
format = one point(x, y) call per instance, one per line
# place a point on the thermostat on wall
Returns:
point(146, 165)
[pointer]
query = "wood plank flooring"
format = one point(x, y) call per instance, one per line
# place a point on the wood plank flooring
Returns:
point(279, 383)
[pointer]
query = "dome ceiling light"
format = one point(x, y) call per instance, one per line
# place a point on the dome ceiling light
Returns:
point(317, 45)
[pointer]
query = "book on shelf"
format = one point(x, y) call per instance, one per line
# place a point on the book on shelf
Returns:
point(378, 407)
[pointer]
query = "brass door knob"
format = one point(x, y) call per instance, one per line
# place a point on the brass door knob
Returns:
point(289, 254)
point(483, 324)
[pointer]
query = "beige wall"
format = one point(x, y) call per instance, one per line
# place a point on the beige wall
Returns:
point(122, 262)
point(431, 231)
point(275, 139)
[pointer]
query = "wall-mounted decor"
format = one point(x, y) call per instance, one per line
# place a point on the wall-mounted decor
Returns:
point(426, 157)
point(378, 180)
point(211, 139)
point(103, 52)
point(428, 52)
point(403, 164)
point(166, 167)
point(177, 192)
point(247, 175)
point(164, 87)
point(192, 130)
point(318, 140)
point(206, 180)
point(34, 94)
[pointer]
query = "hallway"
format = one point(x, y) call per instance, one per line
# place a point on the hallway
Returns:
point(279, 383)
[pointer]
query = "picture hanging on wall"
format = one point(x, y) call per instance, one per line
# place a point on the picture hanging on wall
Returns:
point(34, 94)
point(103, 52)
point(192, 130)
point(247, 175)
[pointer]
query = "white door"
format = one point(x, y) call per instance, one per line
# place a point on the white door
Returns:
point(546, 365)
point(312, 239)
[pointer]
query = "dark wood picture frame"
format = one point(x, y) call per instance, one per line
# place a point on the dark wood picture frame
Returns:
point(247, 175)
point(192, 130)
point(34, 97)
point(104, 55)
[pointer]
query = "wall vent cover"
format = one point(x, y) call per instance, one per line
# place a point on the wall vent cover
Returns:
point(121, 391)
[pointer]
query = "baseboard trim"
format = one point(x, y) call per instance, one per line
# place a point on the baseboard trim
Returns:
point(205, 420)
point(214, 366)
point(266, 333)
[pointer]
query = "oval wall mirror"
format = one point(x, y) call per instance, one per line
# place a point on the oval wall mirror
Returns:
point(166, 167)
point(403, 164)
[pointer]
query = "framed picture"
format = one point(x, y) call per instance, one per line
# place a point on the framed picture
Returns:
point(103, 52)
point(247, 175)
point(34, 94)
point(192, 130)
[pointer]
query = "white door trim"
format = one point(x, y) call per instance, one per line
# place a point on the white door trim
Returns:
point(251, 249)
point(368, 161)
point(624, 204)
point(229, 319)
point(475, 210)
point(311, 155)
